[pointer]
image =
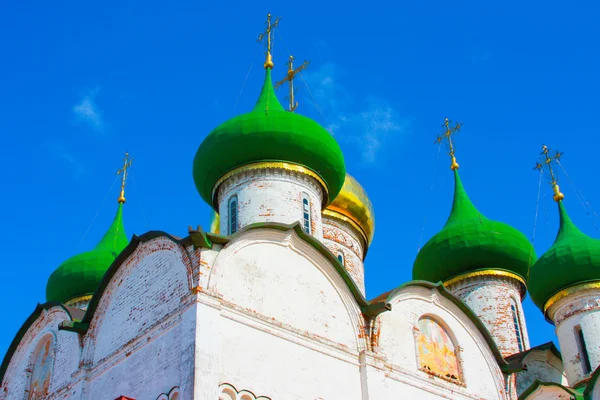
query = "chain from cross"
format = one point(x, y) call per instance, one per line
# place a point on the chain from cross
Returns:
point(291, 74)
point(449, 131)
point(126, 165)
point(268, 33)
point(545, 163)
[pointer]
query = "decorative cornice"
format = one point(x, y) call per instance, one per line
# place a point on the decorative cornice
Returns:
point(344, 218)
point(79, 299)
point(273, 165)
point(569, 291)
point(486, 272)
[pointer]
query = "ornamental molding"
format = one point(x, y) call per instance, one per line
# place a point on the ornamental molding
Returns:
point(271, 170)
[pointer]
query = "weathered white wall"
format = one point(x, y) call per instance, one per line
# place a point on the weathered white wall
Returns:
point(270, 195)
point(543, 366)
point(480, 371)
point(281, 364)
point(578, 309)
point(340, 237)
point(66, 361)
point(279, 276)
point(490, 298)
point(141, 340)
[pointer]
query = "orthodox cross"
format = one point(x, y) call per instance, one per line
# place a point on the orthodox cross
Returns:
point(449, 131)
point(268, 33)
point(291, 73)
point(546, 161)
point(126, 165)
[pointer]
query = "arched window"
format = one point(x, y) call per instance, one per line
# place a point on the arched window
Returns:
point(340, 258)
point(436, 352)
point(306, 213)
point(41, 370)
point(517, 325)
point(233, 215)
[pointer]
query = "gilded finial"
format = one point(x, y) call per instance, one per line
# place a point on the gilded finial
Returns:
point(546, 161)
point(291, 73)
point(449, 131)
point(268, 33)
point(126, 165)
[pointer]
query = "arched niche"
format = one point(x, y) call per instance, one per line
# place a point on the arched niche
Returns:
point(40, 368)
point(436, 349)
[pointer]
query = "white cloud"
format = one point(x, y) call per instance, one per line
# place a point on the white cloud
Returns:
point(62, 153)
point(368, 125)
point(87, 112)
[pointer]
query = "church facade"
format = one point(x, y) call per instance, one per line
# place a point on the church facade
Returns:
point(270, 304)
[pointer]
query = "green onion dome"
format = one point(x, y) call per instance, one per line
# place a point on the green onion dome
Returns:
point(470, 242)
point(573, 259)
point(80, 275)
point(268, 133)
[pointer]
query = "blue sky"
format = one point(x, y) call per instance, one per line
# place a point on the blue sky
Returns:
point(83, 82)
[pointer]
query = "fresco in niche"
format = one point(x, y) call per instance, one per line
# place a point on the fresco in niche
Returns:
point(41, 370)
point(436, 351)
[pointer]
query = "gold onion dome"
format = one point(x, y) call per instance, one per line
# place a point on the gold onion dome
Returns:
point(354, 205)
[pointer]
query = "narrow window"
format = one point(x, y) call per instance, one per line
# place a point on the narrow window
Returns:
point(585, 358)
point(233, 215)
point(340, 258)
point(517, 326)
point(306, 213)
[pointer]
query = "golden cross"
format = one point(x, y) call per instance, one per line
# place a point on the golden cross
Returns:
point(291, 73)
point(546, 161)
point(126, 165)
point(268, 33)
point(448, 135)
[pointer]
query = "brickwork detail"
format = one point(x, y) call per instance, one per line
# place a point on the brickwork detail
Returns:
point(271, 195)
point(491, 297)
point(577, 321)
point(340, 237)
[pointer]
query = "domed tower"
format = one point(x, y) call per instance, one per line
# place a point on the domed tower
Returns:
point(348, 228)
point(269, 165)
point(483, 262)
point(75, 280)
point(565, 284)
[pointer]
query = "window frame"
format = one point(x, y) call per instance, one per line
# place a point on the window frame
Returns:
point(232, 215)
point(306, 214)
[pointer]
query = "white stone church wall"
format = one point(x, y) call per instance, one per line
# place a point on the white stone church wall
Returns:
point(339, 237)
point(278, 276)
point(480, 371)
point(270, 195)
point(542, 366)
point(66, 359)
point(141, 340)
point(491, 298)
point(579, 311)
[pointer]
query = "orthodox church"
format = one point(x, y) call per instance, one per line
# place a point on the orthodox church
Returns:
point(270, 304)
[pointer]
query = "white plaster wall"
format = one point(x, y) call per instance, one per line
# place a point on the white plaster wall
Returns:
point(490, 298)
point(144, 291)
point(481, 373)
point(567, 338)
point(163, 361)
point(66, 361)
point(281, 365)
point(270, 195)
point(550, 393)
point(542, 366)
point(340, 237)
point(280, 277)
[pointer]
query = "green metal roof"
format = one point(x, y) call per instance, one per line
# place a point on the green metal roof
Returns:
point(81, 274)
point(268, 133)
point(574, 258)
point(469, 242)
